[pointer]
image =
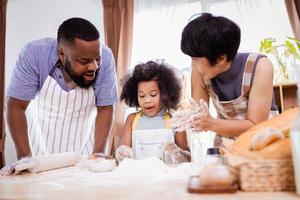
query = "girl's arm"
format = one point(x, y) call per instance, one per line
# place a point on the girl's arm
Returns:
point(181, 148)
point(181, 140)
point(125, 150)
point(127, 130)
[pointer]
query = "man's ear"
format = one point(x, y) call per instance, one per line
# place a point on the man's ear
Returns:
point(60, 54)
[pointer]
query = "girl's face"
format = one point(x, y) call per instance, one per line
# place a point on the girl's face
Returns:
point(149, 97)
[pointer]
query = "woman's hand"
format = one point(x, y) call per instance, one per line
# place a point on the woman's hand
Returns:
point(202, 120)
point(182, 119)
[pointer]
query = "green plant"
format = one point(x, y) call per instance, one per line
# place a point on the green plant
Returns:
point(288, 50)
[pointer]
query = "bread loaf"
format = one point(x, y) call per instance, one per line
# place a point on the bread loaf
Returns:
point(216, 175)
point(266, 137)
point(277, 150)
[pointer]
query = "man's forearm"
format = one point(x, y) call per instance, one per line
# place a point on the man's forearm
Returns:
point(17, 126)
point(103, 127)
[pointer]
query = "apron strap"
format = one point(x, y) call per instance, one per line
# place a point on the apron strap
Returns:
point(139, 114)
point(248, 73)
point(167, 118)
point(136, 119)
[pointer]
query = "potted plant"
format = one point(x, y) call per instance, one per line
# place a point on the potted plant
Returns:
point(285, 53)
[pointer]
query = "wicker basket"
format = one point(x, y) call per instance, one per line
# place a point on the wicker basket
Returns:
point(266, 175)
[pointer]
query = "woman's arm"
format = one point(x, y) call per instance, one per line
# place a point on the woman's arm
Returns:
point(198, 86)
point(260, 98)
point(259, 105)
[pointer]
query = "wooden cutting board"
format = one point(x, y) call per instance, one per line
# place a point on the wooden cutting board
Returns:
point(194, 186)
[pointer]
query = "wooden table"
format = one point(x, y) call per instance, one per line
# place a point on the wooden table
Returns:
point(75, 183)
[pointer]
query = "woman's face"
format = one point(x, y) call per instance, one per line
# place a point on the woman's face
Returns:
point(207, 70)
point(149, 97)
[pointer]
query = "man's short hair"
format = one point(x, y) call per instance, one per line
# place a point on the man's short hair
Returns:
point(77, 28)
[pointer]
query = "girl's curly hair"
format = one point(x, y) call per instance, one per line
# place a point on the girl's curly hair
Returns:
point(166, 77)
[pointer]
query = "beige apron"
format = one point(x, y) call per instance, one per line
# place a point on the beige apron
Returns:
point(60, 121)
point(237, 108)
point(148, 142)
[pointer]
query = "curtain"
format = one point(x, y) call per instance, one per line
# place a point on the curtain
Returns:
point(3, 4)
point(118, 25)
point(293, 10)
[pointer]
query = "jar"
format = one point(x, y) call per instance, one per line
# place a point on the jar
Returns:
point(295, 143)
point(213, 156)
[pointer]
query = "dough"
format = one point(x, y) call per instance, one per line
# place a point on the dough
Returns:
point(103, 165)
point(216, 175)
point(265, 137)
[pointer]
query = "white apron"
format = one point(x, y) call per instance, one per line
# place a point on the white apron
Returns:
point(148, 142)
point(60, 121)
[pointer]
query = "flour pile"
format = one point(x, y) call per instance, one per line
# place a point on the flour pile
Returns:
point(148, 167)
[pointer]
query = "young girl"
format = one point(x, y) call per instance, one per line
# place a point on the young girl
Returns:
point(154, 88)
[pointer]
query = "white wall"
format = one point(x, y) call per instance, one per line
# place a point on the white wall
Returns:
point(33, 19)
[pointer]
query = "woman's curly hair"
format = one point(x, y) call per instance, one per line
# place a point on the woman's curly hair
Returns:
point(166, 77)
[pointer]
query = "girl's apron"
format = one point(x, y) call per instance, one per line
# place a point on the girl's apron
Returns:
point(237, 108)
point(60, 121)
point(148, 142)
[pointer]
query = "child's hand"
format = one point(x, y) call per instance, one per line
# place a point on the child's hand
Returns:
point(122, 152)
point(177, 153)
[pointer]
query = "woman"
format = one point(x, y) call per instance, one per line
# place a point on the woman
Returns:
point(240, 84)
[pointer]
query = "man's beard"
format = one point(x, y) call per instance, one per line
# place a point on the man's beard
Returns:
point(78, 79)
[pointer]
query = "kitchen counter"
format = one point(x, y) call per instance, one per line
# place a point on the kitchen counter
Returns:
point(76, 183)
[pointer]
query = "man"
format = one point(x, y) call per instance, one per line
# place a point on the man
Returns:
point(61, 94)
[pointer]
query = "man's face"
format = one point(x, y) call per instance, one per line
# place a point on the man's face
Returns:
point(81, 61)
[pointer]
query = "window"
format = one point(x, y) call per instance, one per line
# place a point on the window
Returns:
point(157, 31)
point(158, 25)
point(258, 19)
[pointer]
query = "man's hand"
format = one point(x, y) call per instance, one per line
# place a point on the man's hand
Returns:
point(24, 164)
point(123, 152)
